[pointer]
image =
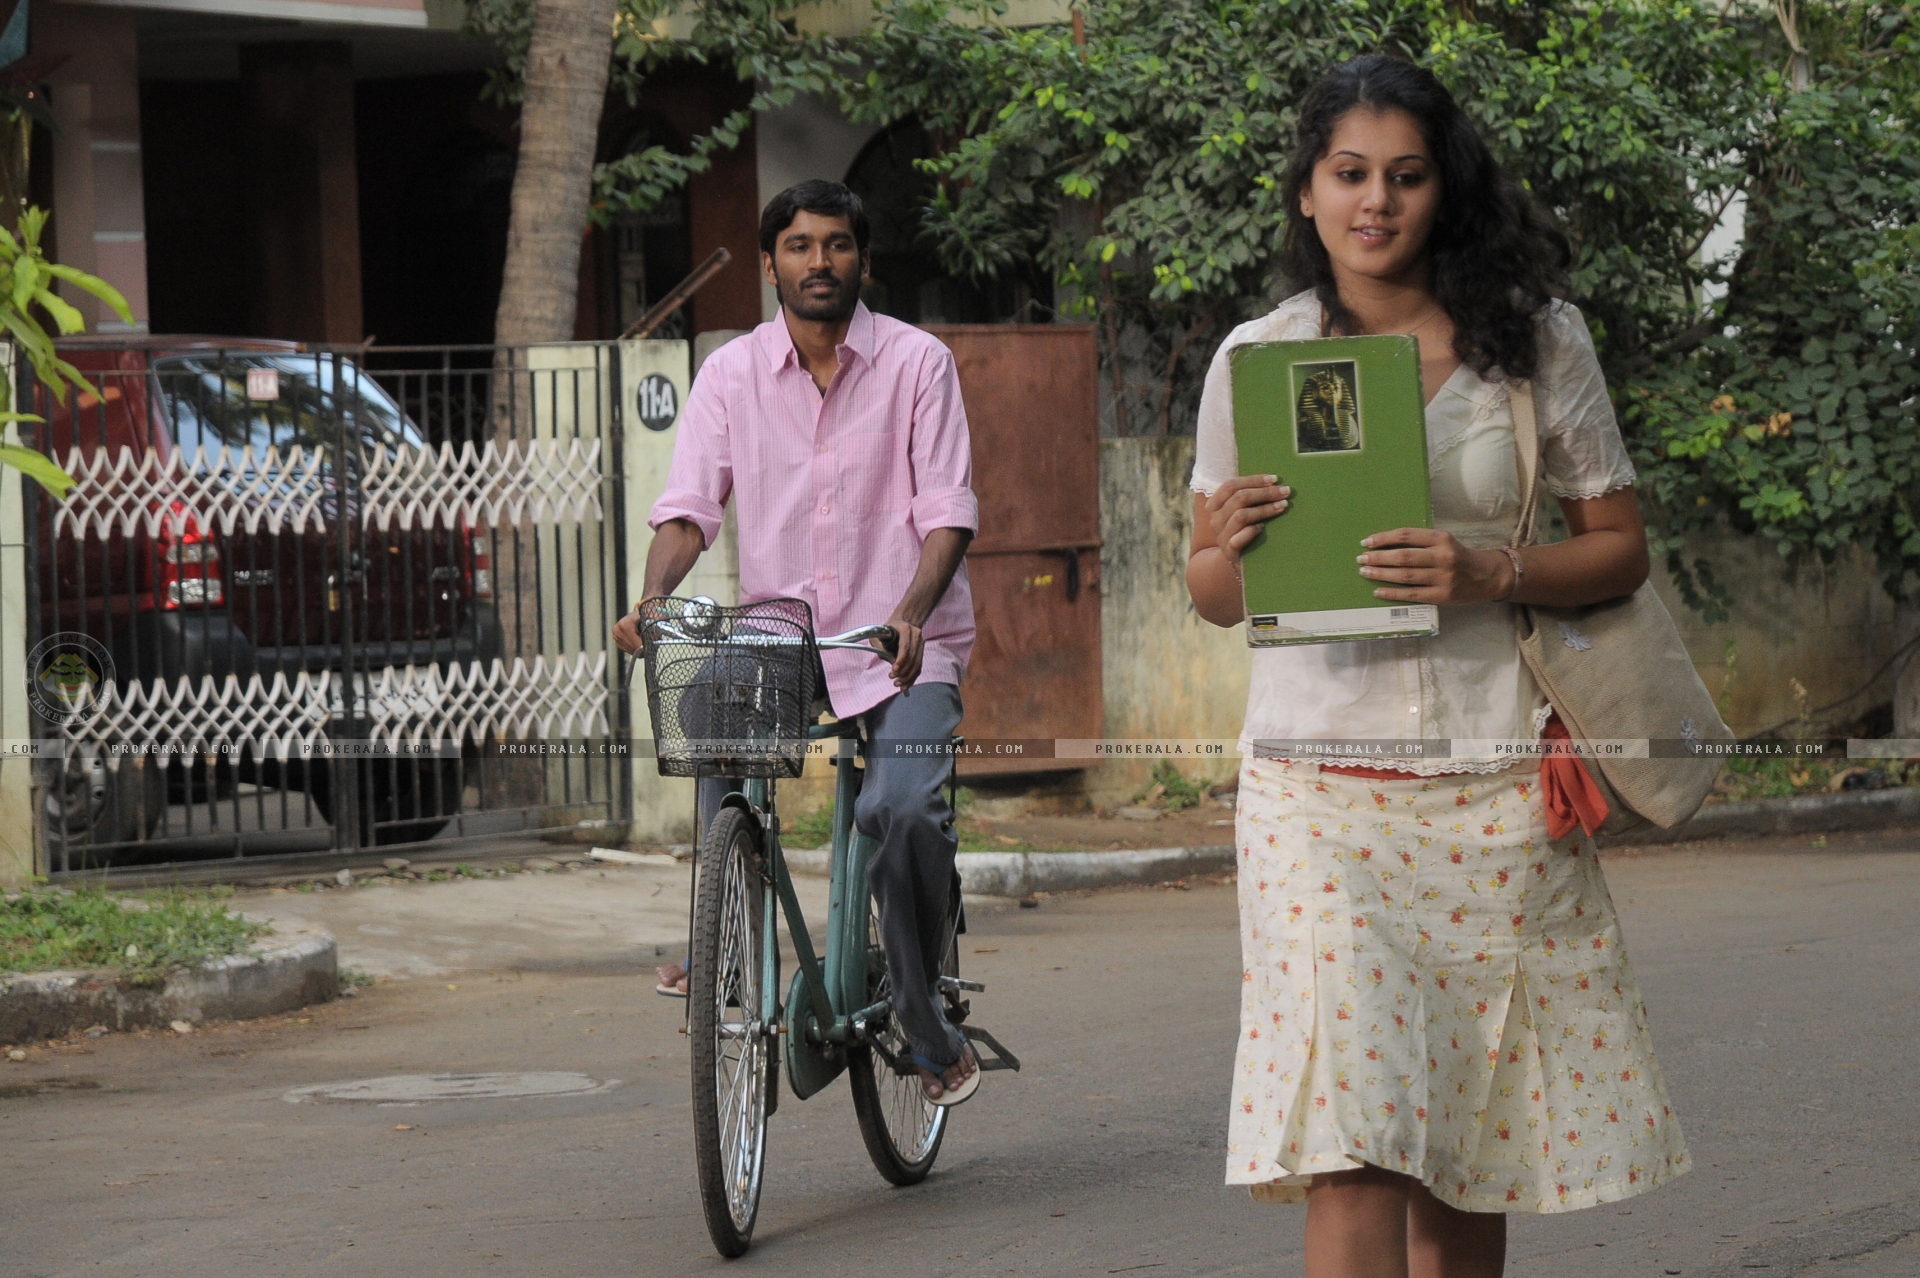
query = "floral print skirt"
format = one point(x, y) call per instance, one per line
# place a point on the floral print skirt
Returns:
point(1432, 986)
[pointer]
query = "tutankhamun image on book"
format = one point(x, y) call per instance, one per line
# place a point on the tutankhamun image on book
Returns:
point(1327, 414)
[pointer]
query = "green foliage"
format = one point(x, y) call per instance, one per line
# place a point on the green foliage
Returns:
point(145, 936)
point(1139, 168)
point(26, 283)
point(1177, 793)
point(1775, 391)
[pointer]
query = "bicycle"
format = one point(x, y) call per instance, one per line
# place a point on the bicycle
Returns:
point(731, 694)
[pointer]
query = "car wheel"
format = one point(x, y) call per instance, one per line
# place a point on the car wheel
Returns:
point(86, 804)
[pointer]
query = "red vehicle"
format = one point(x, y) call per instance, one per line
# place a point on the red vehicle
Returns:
point(187, 441)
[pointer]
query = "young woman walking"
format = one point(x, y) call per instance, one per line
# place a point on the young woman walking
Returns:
point(1438, 1022)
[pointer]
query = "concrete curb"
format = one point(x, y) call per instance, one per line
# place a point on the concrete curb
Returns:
point(1023, 873)
point(300, 967)
point(1801, 814)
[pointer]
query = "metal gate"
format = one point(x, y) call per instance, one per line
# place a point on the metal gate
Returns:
point(323, 601)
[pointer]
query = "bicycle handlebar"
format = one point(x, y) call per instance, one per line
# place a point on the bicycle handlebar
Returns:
point(855, 638)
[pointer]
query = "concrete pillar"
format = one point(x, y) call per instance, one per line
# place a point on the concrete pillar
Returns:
point(99, 217)
point(17, 859)
point(303, 192)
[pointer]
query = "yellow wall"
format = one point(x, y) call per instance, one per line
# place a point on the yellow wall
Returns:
point(1166, 672)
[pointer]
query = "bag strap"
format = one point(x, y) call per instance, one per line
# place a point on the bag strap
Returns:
point(1526, 447)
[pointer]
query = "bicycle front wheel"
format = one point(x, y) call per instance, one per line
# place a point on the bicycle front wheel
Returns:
point(731, 1048)
point(901, 1128)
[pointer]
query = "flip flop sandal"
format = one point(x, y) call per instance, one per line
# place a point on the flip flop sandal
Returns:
point(665, 990)
point(951, 1096)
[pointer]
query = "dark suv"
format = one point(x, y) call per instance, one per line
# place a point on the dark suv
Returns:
point(193, 553)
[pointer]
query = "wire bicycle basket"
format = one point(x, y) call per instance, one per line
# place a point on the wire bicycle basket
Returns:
point(730, 690)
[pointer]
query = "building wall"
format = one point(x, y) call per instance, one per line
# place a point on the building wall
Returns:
point(99, 208)
point(1166, 671)
point(1824, 629)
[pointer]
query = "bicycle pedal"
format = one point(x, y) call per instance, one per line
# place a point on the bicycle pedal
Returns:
point(1004, 1059)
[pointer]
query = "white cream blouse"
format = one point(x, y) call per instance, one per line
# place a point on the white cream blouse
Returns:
point(1467, 683)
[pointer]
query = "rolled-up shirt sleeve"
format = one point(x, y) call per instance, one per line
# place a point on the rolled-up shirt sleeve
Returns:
point(941, 452)
point(701, 476)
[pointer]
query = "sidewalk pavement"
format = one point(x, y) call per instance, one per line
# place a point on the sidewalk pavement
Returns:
point(611, 917)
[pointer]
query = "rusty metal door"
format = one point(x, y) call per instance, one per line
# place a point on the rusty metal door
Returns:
point(1032, 406)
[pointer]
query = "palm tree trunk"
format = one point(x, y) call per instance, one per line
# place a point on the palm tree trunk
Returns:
point(566, 84)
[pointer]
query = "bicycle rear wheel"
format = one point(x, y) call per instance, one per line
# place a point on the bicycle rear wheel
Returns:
point(901, 1128)
point(731, 1051)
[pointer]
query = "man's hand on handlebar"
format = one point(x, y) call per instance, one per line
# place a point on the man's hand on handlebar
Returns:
point(906, 661)
point(626, 631)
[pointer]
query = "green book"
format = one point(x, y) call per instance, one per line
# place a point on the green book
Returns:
point(1342, 420)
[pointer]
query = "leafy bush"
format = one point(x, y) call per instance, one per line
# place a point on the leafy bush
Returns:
point(1134, 154)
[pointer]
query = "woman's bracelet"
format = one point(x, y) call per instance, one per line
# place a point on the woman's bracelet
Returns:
point(1519, 571)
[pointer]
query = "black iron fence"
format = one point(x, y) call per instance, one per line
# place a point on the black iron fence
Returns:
point(324, 600)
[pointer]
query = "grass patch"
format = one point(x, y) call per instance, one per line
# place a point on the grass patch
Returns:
point(145, 936)
point(813, 830)
point(352, 978)
point(1172, 790)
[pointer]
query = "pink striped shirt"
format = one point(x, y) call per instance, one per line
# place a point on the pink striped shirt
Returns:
point(836, 492)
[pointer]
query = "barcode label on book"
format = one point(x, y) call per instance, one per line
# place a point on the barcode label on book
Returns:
point(1332, 625)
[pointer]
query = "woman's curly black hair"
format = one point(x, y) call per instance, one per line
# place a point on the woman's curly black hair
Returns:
point(1497, 259)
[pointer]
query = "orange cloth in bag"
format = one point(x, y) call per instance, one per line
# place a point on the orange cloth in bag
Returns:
point(1567, 789)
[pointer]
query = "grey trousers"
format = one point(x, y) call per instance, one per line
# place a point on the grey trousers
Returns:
point(903, 807)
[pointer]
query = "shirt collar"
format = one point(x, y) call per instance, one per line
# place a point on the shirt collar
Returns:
point(779, 343)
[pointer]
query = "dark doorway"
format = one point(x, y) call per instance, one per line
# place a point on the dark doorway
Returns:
point(436, 187)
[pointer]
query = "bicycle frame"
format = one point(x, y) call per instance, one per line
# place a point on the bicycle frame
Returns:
point(836, 982)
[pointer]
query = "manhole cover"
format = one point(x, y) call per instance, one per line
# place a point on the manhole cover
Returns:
point(411, 1089)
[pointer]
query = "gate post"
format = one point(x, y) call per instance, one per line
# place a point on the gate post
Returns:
point(655, 379)
point(18, 830)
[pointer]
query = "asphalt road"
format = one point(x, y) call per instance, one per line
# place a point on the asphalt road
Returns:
point(1781, 982)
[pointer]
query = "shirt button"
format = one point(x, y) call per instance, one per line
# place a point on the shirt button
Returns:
point(826, 574)
point(823, 448)
point(823, 510)
point(1413, 709)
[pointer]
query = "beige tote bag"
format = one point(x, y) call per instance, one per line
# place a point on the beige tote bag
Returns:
point(1617, 670)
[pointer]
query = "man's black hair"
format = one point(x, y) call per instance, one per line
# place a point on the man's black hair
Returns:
point(826, 199)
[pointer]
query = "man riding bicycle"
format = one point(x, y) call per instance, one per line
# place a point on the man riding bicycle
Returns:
point(843, 436)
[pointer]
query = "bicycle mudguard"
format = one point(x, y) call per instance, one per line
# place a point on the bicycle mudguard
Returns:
point(810, 1065)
